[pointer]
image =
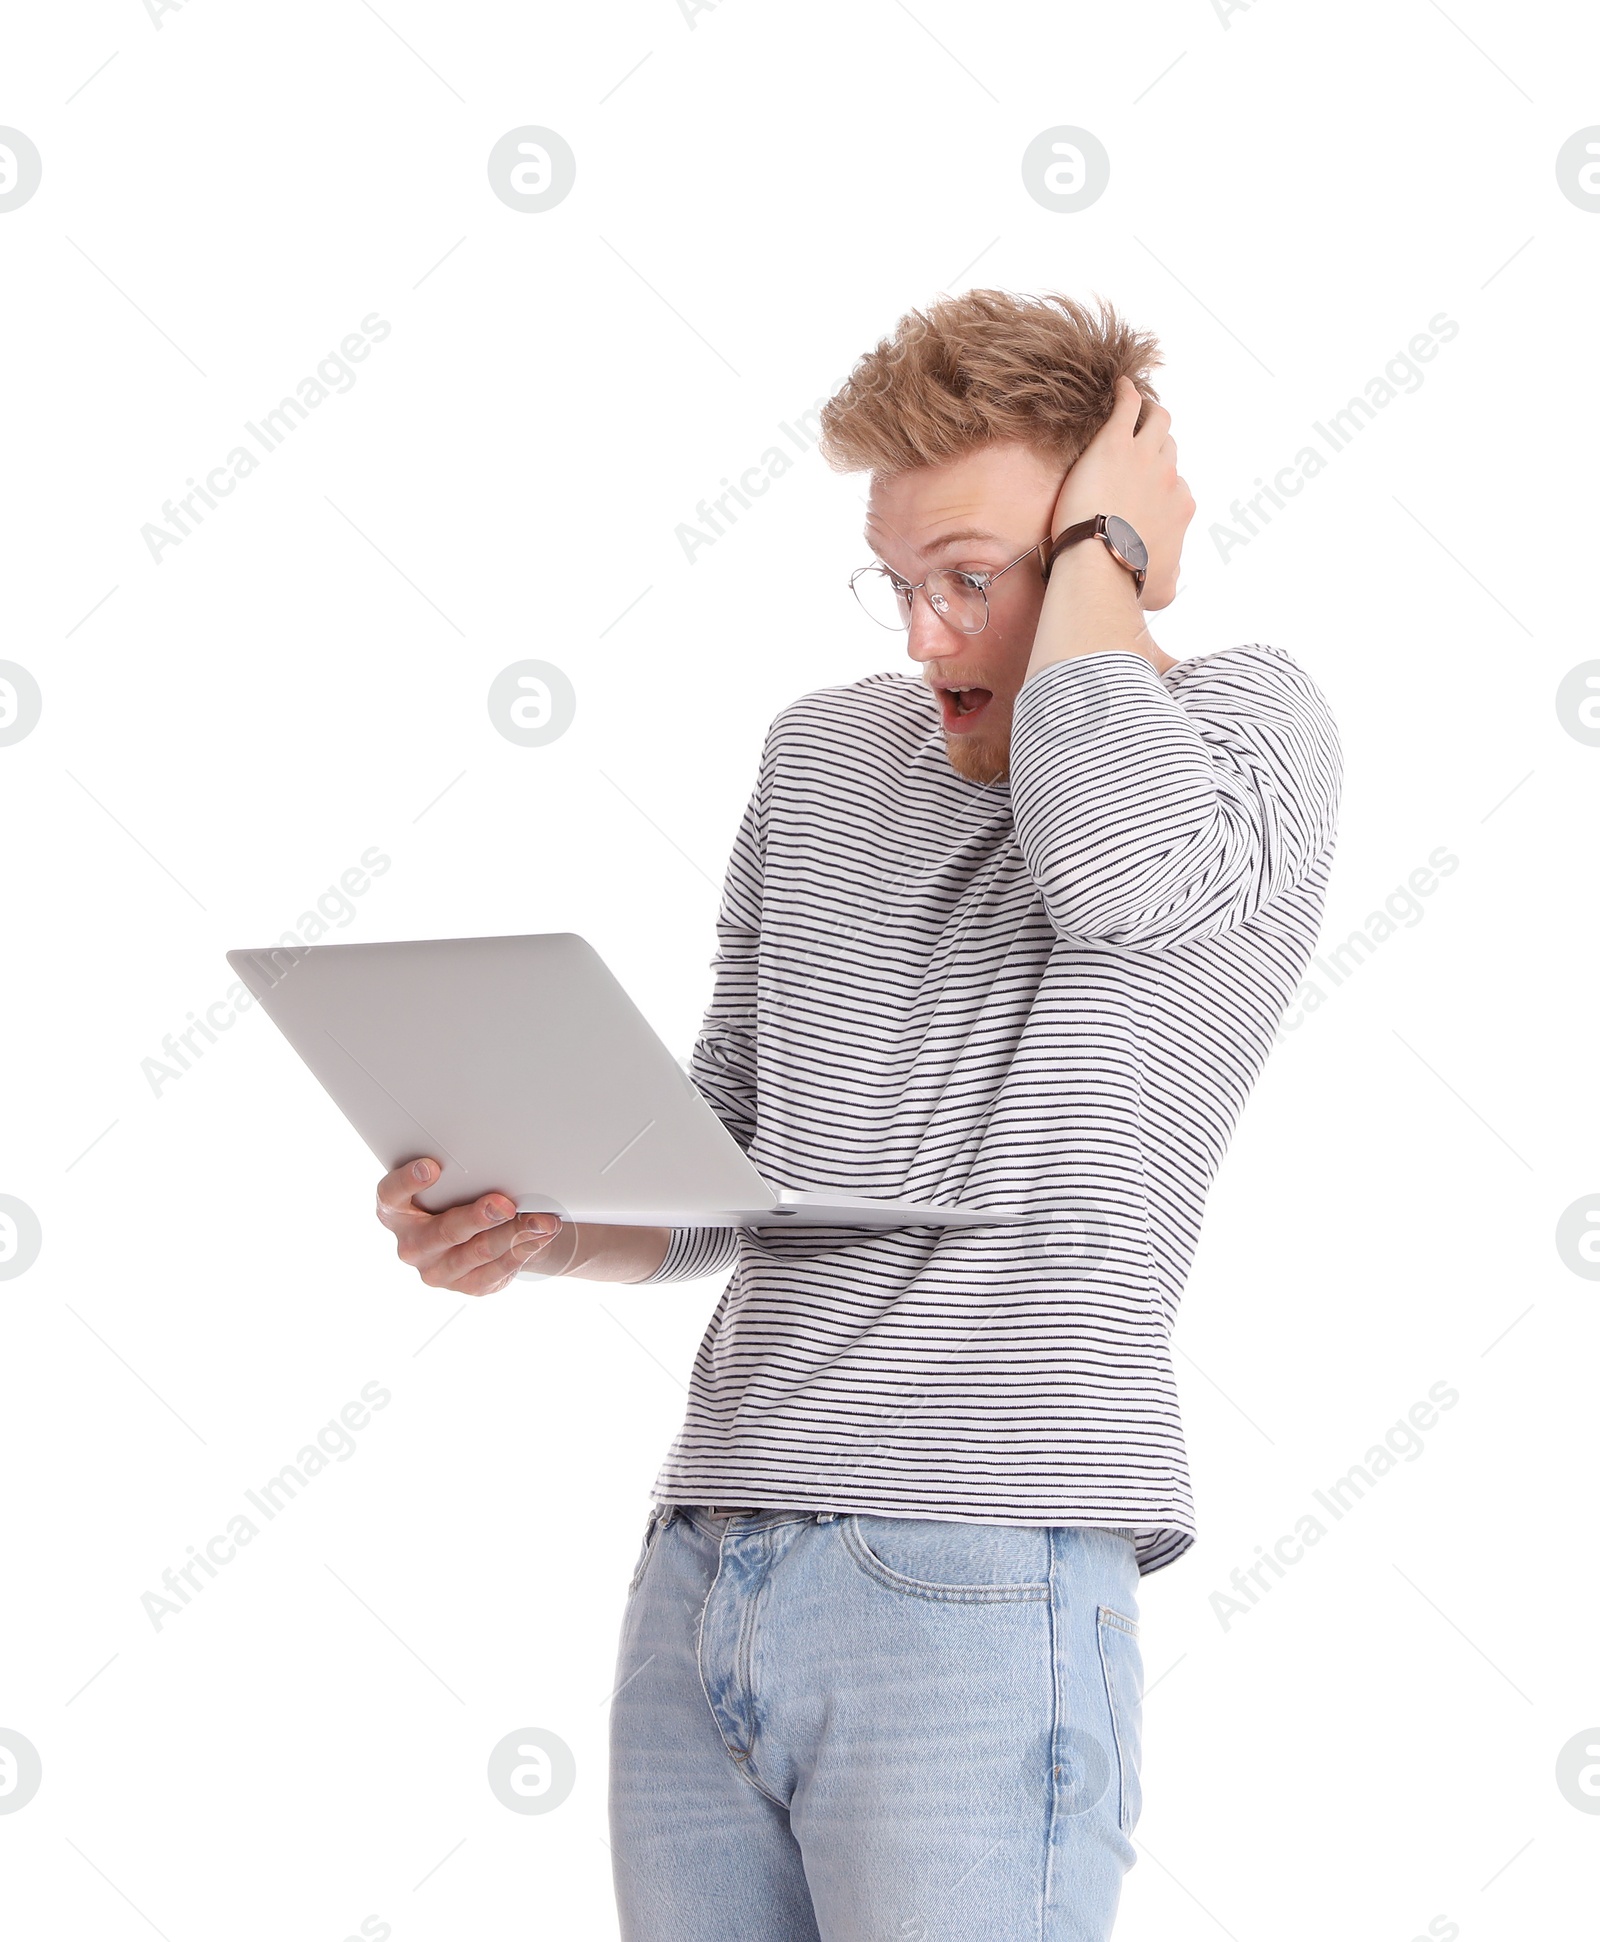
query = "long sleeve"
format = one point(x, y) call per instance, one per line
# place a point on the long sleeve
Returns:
point(723, 1063)
point(1150, 817)
point(693, 1252)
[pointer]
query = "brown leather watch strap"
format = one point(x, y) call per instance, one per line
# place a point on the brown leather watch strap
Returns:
point(1090, 529)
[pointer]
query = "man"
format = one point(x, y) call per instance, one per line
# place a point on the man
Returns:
point(1013, 930)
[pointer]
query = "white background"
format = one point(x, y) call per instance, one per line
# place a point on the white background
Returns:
point(761, 190)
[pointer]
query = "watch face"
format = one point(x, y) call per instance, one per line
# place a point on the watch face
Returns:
point(1126, 543)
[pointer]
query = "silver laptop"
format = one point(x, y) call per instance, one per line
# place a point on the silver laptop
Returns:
point(523, 1067)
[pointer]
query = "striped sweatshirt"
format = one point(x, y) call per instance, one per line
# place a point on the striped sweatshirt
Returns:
point(1048, 996)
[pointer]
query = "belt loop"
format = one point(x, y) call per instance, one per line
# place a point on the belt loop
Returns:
point(826, 1516)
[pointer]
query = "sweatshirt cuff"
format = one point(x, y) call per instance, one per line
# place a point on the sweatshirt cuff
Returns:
point(695, 1251)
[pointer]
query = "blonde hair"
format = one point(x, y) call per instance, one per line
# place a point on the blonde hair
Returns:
point(980, 368)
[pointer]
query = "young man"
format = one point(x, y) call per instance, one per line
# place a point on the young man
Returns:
point(1014, 929)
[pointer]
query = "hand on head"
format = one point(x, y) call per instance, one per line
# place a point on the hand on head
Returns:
point(1134, 474)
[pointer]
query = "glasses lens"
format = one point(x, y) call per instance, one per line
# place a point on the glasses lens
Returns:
point(957, 603)
point(880, 598)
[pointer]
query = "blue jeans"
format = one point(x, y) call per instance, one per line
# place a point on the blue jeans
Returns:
point(831, 1728)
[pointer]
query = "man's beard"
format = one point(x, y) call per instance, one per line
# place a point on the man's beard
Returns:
point(978, 758)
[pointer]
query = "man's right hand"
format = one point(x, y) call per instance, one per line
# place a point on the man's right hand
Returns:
point(474, 1249)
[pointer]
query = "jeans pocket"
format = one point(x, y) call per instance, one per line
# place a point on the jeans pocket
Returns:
point(658, 1517)
point(1123, 1668)
point(957, 1564)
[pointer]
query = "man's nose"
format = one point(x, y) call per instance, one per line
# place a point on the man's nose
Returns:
point(927, 637)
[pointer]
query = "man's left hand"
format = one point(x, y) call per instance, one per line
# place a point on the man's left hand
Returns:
point(1134, 475)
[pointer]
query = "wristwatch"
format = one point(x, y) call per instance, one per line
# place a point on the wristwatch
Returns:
point(1122, 543)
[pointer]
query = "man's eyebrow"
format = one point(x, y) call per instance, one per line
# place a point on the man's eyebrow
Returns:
point(955, 537)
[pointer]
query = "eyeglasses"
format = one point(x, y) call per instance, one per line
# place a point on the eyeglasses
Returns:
point(961, 600)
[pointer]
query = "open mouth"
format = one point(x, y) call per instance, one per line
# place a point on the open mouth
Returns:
point(961, 707)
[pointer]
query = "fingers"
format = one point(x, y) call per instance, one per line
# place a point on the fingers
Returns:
point(475, 1249)
point(487, 1281)
point(491, 1276)
point(396, 1190)
point(487, 1278)
point(458, 1224)
point(503, 1250)
point(1157, 423)
point(398, 1211)
point(1129, 399)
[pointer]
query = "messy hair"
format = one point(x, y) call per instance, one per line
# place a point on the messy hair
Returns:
point(981, 368)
